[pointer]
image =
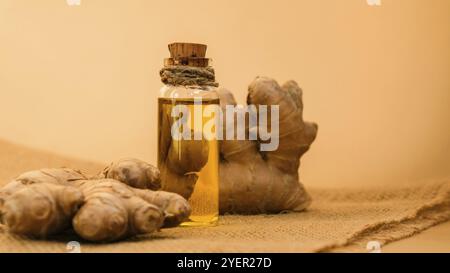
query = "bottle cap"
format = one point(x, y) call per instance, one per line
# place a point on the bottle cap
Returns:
point(188, 54)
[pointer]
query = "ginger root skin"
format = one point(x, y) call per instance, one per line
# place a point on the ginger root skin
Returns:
point(176, 208)
point(178, 174)
point(252, 181)
point(133, 172)
point(112, 211)
point(41, 209)
point(40, 203)
point(49, 201)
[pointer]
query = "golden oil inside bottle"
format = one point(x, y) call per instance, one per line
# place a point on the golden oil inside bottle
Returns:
point(204, 199)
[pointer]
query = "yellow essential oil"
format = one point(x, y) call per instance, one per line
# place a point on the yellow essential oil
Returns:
point(204, 199)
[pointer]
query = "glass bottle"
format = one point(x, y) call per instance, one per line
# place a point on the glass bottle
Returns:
point(188, 155)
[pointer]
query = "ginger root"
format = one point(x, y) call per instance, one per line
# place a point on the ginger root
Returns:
point(134, 173)
point(49, 201)
point(141, 175)
point(113, 211)
point(178, 174)
point(41, 209)
point(251, 181)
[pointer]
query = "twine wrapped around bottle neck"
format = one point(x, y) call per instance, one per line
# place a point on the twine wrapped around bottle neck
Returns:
point(188, 75)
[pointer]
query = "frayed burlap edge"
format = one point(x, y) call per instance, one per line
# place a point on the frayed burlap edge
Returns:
point(430, 214)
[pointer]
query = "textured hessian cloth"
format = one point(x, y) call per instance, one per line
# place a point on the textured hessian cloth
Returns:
point(339, 219)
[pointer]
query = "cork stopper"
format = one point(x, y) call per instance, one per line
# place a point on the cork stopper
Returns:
point(187, 50)
point(189, 54)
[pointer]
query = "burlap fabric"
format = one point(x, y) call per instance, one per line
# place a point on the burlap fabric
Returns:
point(338, 220)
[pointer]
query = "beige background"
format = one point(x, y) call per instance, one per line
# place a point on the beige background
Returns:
point(83, 81)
